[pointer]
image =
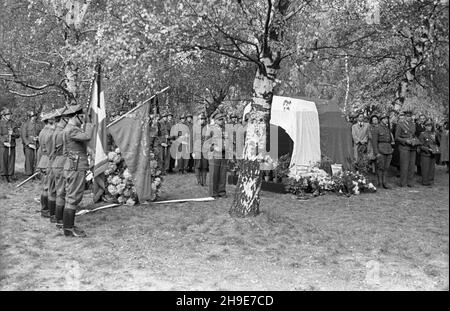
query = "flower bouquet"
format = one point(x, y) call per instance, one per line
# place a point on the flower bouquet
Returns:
point(119, 181)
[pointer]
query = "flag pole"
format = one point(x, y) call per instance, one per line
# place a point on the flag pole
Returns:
point(137, 107)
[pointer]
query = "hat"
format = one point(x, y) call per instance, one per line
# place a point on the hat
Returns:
point(428, 122)
point(233, 115)
point(373, 116)
point(407, 112)
point(219, 116)
point(72, 109)
point(201, 115)
point(45, 116)
point(6, 111)
point(384, 116)
point(31, 113)
point(183, 116)
point(188, 115)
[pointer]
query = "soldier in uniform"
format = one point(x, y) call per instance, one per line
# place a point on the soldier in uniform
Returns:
point(408, 142)
point(200, 162)
point(56, 182)
point(8, 135)
point(217, 162)
point(382, 148)
point(75, 141)
point(163, 141)
point(428, 150)
point(169, 123)
point(153, 131)
point(43, 162)
point(29, 133)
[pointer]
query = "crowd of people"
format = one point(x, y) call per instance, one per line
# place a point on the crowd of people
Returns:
point(412, 144)
point(56, 146)
point(164, 130)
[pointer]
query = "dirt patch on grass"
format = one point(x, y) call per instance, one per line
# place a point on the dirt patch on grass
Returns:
point(390, 240)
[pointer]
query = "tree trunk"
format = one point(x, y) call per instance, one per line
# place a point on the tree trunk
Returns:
point(247, 196)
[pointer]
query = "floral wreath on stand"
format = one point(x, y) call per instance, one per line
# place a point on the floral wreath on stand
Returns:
point(120, 184)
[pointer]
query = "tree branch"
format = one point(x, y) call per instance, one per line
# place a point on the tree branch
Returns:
point(27, 95)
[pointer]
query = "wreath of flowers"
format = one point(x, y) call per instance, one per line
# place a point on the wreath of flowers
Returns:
point(316, 182)
point(119, 181)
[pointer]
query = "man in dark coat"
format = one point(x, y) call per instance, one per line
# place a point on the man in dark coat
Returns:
point(9, 132)
point(428, 151)
point(29, 132)
point(405, 136)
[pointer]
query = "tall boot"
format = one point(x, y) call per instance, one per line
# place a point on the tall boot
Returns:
point(204, 177)
point(379, 178)
point(199, 176)
point(52, 209)
point(69, 224)
point(59, 210)
point(44, 206)
point(385, 185)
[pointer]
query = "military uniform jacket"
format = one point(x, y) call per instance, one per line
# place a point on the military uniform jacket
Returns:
point(45, 143)
point(29, 130)
point(57, 157)
point(406, 131)
point(381, 140)
point(429, 146)
point(4, 136)
point(75, 147)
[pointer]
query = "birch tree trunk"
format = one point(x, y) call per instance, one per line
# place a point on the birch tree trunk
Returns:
point(247, 196)
point(73, 13)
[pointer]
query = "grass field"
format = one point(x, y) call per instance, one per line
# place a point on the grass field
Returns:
point(390, 240)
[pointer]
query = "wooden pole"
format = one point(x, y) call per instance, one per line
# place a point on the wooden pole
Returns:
point(137, 107)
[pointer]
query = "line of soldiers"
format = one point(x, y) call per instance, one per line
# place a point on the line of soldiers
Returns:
point(410, 141)
point(161, 137)
point(60, 148)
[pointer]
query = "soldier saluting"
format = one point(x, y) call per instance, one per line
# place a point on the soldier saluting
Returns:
point(75, 166)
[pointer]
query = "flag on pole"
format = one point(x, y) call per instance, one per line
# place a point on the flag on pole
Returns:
point(131, 134)
point(99, 142)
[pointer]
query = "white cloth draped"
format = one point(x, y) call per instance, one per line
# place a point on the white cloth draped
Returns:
point(300, 119)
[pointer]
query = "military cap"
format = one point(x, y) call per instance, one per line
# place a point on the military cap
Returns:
point(407, 112)
point(219, 116)
point(384, 116)
point(168, 113)
point(45, 116)
point(183, 116)
point(72, 109)
point(188, 115)
point(373, 116)
point(6, 111)
point(31, 113)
